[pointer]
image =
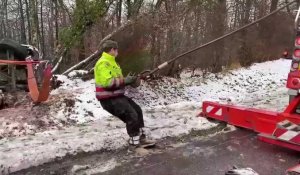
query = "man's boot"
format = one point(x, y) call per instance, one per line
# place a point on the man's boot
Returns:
point(134, 141)
point(144, 142)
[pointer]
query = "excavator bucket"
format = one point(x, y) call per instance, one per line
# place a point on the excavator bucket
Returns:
point(39, 95)
point(21, 59)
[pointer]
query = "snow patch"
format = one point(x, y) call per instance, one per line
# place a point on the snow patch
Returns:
point(77, 73)
point(244, 171)
point(102, 167)
point(105, 134)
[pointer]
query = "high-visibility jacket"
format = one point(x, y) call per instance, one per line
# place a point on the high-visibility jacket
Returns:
point(108, 77)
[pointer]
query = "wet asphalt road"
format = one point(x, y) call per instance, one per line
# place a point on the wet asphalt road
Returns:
point(198, 156)
point(214, 156)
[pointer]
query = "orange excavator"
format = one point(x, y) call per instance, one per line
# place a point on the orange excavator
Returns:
point(21, 65)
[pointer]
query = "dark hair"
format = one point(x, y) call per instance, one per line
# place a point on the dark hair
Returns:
point(108, 45)
point(107, 49)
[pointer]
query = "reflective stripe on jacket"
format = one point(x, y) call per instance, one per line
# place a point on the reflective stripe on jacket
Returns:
point(108, 77)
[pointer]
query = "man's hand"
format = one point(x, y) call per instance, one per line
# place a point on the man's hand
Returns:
point(130, 79)
point(137, 83)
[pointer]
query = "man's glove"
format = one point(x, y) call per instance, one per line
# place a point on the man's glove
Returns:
point(130, 79)
point(137, 83)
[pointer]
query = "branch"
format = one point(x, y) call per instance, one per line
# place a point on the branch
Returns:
point(59, 61)
point(98, 52)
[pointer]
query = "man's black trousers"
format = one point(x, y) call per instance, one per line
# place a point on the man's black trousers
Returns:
point(127, 110)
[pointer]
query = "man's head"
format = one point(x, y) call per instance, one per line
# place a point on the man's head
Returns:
point(110, 47)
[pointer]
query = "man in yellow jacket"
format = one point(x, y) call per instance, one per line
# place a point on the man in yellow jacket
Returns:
point(110, 88)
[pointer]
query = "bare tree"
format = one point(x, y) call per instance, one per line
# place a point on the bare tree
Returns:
point(5, 21)
point(28, 21)
point(42, 40)
point(163, 29)
point(133, 7)
point(119, 12)
point(22, 22)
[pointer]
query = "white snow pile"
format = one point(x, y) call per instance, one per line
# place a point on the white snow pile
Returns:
point(77, 73)
point(99, 168)
point(249, 86)
point(243, 171)
point(170, 107)
point(106, 134)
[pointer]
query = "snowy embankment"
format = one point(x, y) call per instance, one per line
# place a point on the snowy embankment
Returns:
point(169, 105)
point(242, 86)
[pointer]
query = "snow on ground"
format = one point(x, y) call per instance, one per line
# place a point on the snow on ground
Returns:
point(260, 80)
point(102, 167)
point(107, 134)
point(169, 106)
point(244, 171)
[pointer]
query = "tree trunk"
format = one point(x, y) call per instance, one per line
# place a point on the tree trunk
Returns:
point(119, 12)
point(266, 26)
point(217, 31)
point(22, 21)
point(133, 8)
point(5, 23)
point(170, 8)
point(56, 20)
point(244, 52)
point(51, 26)
point(2, 17)
point(42, 30)
point(274, 4)
point(155, 37)
point(28, 22)
point(35, 29)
